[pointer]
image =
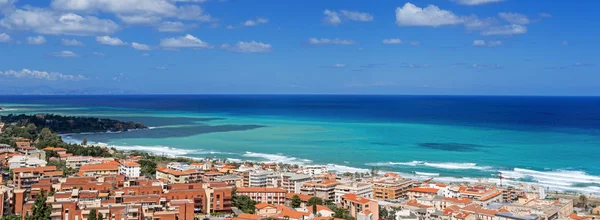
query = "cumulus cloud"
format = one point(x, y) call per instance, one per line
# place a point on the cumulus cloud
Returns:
point(322, 41)
point(50, 22)
point(139, 46)
point(477, 2)
point(505, 30)
point(336, 17)
point(71, 42)
point(392, 41)
point(42, 75)
point(255, 22)
point(482, 43)
point(36, 40)
point(107, 40)
point(4, 37)
point(187, 41)
point(64, 53)
point(135, 11)
point(173, 26)
point(514, 18)
point(248, 47)
point(412, 15)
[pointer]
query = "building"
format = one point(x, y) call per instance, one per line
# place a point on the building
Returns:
point(483, 195)
point(324, 190)
point(360, 189)
point(258, 178)
point(26, 161)
point(420, 192)
point(130, 169)
point(360, 208)
point(290, 182)
point(75, 162)
point(391, 188)
point(172, 176)
point(23, 178)
point(275, 196)
point(6, 194)
point(314, 170)
point(110, 168)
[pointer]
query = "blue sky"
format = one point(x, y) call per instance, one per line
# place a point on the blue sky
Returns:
point(473, 47)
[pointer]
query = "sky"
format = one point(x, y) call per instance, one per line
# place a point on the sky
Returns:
point(441, 47)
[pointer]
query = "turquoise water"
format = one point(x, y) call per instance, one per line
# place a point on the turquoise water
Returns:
point(559, 158)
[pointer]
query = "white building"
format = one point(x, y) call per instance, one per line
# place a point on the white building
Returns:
point(259, 178)
point(26, 161)
point(314, 170)
point(130, 169)
point(361, 189)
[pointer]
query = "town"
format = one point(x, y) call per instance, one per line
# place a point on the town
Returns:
point(45, 178)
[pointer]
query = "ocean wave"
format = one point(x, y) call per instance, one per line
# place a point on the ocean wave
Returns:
point(344, 169)
point(235, 160)
point(448, 165)
point(426, 174)
point(277, 158)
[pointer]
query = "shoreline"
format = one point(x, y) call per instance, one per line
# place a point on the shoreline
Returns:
point(341, 168)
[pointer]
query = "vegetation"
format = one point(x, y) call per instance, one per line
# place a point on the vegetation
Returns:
point(383, 212)
point(314, 201)
point(11, 217)
point(147, 167)
point(40, 210)
point(296, 202)
point(244, 203)
point(62, 165)
point(100, 216)
point(92, 215)
point(341, 213)
point(70, 124)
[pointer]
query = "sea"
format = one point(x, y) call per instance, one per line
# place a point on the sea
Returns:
point(553, 142)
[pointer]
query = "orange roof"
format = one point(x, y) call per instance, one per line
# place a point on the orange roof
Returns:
point(261, 189)
point(303, 197)
point(390, 175)
point(417, 204)
point(462, 188)
point(440, 185)
point(212, 173)
point(577, 217)
point(292, 214)
point(356, 199)
point(245, 216)
point(170, 171)
point(59, 149)
point(457, 200)
point(474, 208)
point(424, 190)
point(263, 205)
point(228, 167)
point(131, 164)
point(485, 198)
point(323, 208)
point(366, 212)
point(36, 169)
point(462, 215)
point(99, 167)
point(53, 173)
point(48, 148)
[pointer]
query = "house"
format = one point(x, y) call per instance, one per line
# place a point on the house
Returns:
point(172, 176)
point(25, 161)
point(104, 169)
point(130, 169)
point(324, 190)
point(275, 196)
point(391, 187)
point(418, 192)
point(360, 207)
point(360, 189)
point(265, 210)
point(322, 210)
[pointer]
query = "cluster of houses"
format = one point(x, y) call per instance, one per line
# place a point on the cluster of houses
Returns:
point(117, 189)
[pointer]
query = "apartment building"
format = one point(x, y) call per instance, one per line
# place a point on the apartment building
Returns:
point(290, 182)
point(391, 188)
point(258, 178)
point(130, 169)
point(172, 176)
point(275, 196)
point(110, 168)
point(25, 161)
point(358, 188)
point(324, 190)
point(23, 178)
point(360, 208)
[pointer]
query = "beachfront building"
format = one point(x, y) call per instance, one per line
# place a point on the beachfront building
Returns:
point(360, 208)
point(275, 196)
point(130, 169)
point(358, 188)
point(314, 170)
point(290, 182)
point(390, 188)
point(420, 192)
point(482, 195)
point(324, 190)
point(258, 178)
point(25, 161)
point(172, 176)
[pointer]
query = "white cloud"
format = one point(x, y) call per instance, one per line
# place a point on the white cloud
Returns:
point(42, 75)
point(477, 2)
point(486, 66)
point(98, 54)
point(64, 53)
point(411, 15)
point(71, 42)
point(505, 30)
point(332, 17)
point(187, 41)
point(107, 40)
point(392, 41)
point(4, 37)
point(255, 22)
point(248, 47)
point(173, 26)
point(478, 43)
point(514, 18)
point(139, 46)
point(335, 18)
point(318, 41)
point(49, 22)
point(482, 43)
point(145, 55)
point(415, 43)
point(337, 65)
point(135, 11)
point(36, 40)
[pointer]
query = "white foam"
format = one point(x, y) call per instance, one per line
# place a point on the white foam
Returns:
point(427, 174)
point(449, 165)
point(159, 150)
point(277, 158)
point(344, 169)
point(235, 160)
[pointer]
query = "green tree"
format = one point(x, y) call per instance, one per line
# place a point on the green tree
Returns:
point(314, 208)
point(11, 217)
point(92, 215)
point(40, 209)
point(100, 216)
point(147, 167)
point(383, 212)
point(84, 142)
point(583, 200)
point(296, 202)
point(245, 204)
point(314, 200)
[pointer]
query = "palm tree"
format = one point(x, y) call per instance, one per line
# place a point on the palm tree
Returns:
point(584, 201)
